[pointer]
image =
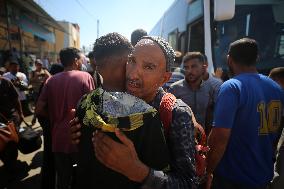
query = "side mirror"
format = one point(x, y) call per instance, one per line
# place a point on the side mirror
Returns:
point(224, 9)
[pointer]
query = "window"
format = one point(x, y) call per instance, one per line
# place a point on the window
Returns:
point(173, 39)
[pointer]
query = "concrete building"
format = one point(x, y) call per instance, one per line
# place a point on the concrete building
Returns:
point(72, 35)
point(24, 25)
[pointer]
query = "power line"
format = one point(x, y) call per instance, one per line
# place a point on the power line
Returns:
point(86, 10)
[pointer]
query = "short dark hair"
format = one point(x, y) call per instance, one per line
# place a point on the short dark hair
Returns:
point(111, 44)
point(136, 35)
point(193, 55)
point(91, 55)
point(68, 55)
point(56, 68)
point(277, 73)
point(244, 51)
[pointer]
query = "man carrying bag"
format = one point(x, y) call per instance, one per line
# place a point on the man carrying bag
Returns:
point(10, 119)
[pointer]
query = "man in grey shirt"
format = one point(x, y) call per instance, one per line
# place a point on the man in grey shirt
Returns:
point(200, 95)
point(214, 81)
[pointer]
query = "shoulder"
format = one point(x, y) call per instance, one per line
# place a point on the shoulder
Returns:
point(177, 84)
point(181, 111)
point(6, 75)
point(214, 81)
point(82, 74)
point(231, 84)
point(231, 88)
point(270, 82)
point(5, 82)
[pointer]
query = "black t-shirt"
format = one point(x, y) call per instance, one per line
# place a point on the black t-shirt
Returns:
point(8, 97)
point(148, 139)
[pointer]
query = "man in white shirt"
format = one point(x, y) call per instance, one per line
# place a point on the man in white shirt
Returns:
point(20, 81)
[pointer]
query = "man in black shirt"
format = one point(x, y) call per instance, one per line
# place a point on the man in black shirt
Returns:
point(10, 109)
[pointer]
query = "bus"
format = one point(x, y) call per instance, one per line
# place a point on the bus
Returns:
point(209, 26)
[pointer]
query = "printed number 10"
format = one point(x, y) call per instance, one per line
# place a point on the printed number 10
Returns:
point(270, 117)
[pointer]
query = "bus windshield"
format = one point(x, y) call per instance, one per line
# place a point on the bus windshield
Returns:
point(264, 23)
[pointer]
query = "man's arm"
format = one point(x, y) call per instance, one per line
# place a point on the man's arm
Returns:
point(15, 100)
point(41, 108)
point(19, 108)
point(41, 105)
point(224, 115)
point(120, 157)
point(123, 158)
point(217, 141)
point(182, 152)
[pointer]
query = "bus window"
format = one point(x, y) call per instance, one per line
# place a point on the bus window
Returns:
point(173, 39)
point(281, 46)
point(196, 36)
point(182, 43)
point(257, 22)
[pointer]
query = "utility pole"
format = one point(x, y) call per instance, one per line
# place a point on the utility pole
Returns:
point(98, 28)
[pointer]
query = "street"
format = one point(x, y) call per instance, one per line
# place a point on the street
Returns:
point(28, 168)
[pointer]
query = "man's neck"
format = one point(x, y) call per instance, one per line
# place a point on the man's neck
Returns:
point(194, 85)
point(69, 68)
point(245, 69)
point(205, 76)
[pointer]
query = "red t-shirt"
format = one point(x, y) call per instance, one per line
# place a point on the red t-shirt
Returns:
point(62, 92)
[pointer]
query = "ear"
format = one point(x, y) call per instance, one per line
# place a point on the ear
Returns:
point(204, 66)
point(166, 77)
point(76, 61)
point(229, 60)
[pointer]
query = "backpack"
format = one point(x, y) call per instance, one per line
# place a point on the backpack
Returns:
point(165, 111)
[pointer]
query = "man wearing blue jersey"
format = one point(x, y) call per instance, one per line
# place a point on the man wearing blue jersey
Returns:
point(247, 124)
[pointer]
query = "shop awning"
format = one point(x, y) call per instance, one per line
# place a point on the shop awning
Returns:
point(33, 9)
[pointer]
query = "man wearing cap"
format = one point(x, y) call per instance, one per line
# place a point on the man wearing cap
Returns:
point(38, 77)
point(148, 68)
point(20, 81)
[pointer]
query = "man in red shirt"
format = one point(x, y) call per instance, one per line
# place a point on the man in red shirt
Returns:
point(60, 94)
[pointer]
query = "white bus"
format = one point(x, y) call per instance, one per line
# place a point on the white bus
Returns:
point(210, 26)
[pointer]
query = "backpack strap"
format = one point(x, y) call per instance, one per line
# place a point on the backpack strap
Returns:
point(165, 110)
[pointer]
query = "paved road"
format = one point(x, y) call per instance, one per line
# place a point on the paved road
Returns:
point(27, 175)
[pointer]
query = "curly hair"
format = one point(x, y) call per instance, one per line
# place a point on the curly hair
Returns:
point(109, 45)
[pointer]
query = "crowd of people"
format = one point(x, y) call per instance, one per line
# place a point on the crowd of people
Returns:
point(93, 138)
